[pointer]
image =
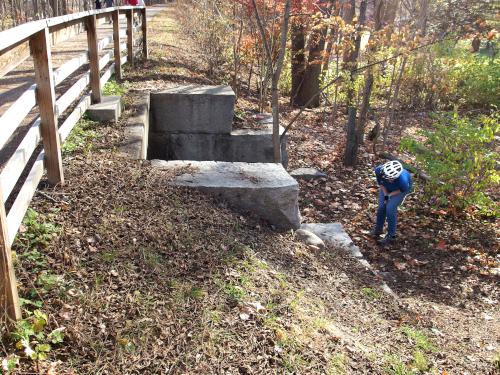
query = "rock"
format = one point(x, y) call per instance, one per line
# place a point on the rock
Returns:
point(309, 238)
point(264, 189)
point(307, 173)
point(334, 234)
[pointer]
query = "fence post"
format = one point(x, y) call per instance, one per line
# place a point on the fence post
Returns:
point(9, 300)
point(46, 99)
point(116, 43)
point(145, 51)
point(130, 36)
point(95, 83)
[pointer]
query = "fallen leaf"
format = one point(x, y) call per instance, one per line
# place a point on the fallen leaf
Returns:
point(244, 316)
point(441, 245)
point(400, 265)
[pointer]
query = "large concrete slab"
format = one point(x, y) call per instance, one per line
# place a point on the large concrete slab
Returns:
point(242, 145)
point(193, 109)
point(264, 189)
point(109, 109)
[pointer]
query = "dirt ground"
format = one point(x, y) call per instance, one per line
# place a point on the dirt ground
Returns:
point(158, 280)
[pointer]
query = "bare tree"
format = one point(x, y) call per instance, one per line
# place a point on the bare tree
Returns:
point(275, 68)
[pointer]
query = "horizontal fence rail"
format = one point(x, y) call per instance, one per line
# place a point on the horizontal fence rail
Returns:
point(39, 150)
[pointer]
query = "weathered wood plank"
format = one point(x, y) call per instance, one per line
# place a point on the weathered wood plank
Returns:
point(107, 75)
point(15, 166)
point(11, 59)
point(11, 38)
point(74, 117)
point(145, 50)
point(23, 199)
point(93, 59)
point(14, 36)
point(9, 300)
point(103, 43)
point(72, 94)
point(40, 50)
point(116, 45)
point(105, 59)
point(130, 37)
point(68, 68)
point(16, 113)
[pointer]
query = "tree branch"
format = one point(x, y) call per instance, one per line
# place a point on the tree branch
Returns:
point(354, 71)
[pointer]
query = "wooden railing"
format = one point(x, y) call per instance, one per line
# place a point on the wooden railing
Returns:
point(27, 159)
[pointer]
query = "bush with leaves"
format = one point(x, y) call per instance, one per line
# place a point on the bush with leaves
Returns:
point(460, 159)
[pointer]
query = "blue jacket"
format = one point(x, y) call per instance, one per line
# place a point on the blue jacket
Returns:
point(403, 182)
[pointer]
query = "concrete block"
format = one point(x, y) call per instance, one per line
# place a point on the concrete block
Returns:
point(244, 145)
point(135, 142)
point(264, 189)
point(193, 109)
point(109, 109)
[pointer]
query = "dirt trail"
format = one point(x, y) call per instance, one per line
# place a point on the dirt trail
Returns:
point(157, 280)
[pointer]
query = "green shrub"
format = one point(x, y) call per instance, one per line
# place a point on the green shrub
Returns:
point(114, 88)
point(459, 157)
point(478, 80)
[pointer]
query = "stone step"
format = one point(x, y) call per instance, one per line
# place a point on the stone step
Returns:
point(264, 189)
point(193, 109)
point(109, 109)
point(242, 145)
point(333, 234)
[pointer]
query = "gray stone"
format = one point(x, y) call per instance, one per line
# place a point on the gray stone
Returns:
point(307, 173)
point(135, 143)
point(193, 109)
point(264, 189)
point(109, 109)
point(335, 235)
point(243, 145)
point(309, 238)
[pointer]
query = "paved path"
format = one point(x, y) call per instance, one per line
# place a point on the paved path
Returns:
point(13, 84)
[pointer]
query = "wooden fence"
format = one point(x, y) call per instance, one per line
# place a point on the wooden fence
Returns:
point(24, 168)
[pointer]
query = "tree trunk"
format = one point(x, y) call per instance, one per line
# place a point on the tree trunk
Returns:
point(391, 11)
point(367, 91)
point(298, 60)
point(365, 106)
point(353, 54)
point(390, 115)
point(352, 142)
point(351, 146)
point(275, 81)
point(311, 83)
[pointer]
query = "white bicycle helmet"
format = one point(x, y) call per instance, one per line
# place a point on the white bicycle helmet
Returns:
point(392, 170)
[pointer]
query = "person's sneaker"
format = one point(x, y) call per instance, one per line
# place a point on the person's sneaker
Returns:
point(387, 240)
point(375, 233)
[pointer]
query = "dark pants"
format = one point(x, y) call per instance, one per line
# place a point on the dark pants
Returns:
point(388, 211)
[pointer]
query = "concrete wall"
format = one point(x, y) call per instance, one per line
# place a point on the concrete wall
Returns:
point(193, 109)
point(135, 142)
point(245, 145)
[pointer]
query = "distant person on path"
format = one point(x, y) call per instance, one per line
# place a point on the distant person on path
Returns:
point(98, 4)
point(109, 3)
point(395, 183)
